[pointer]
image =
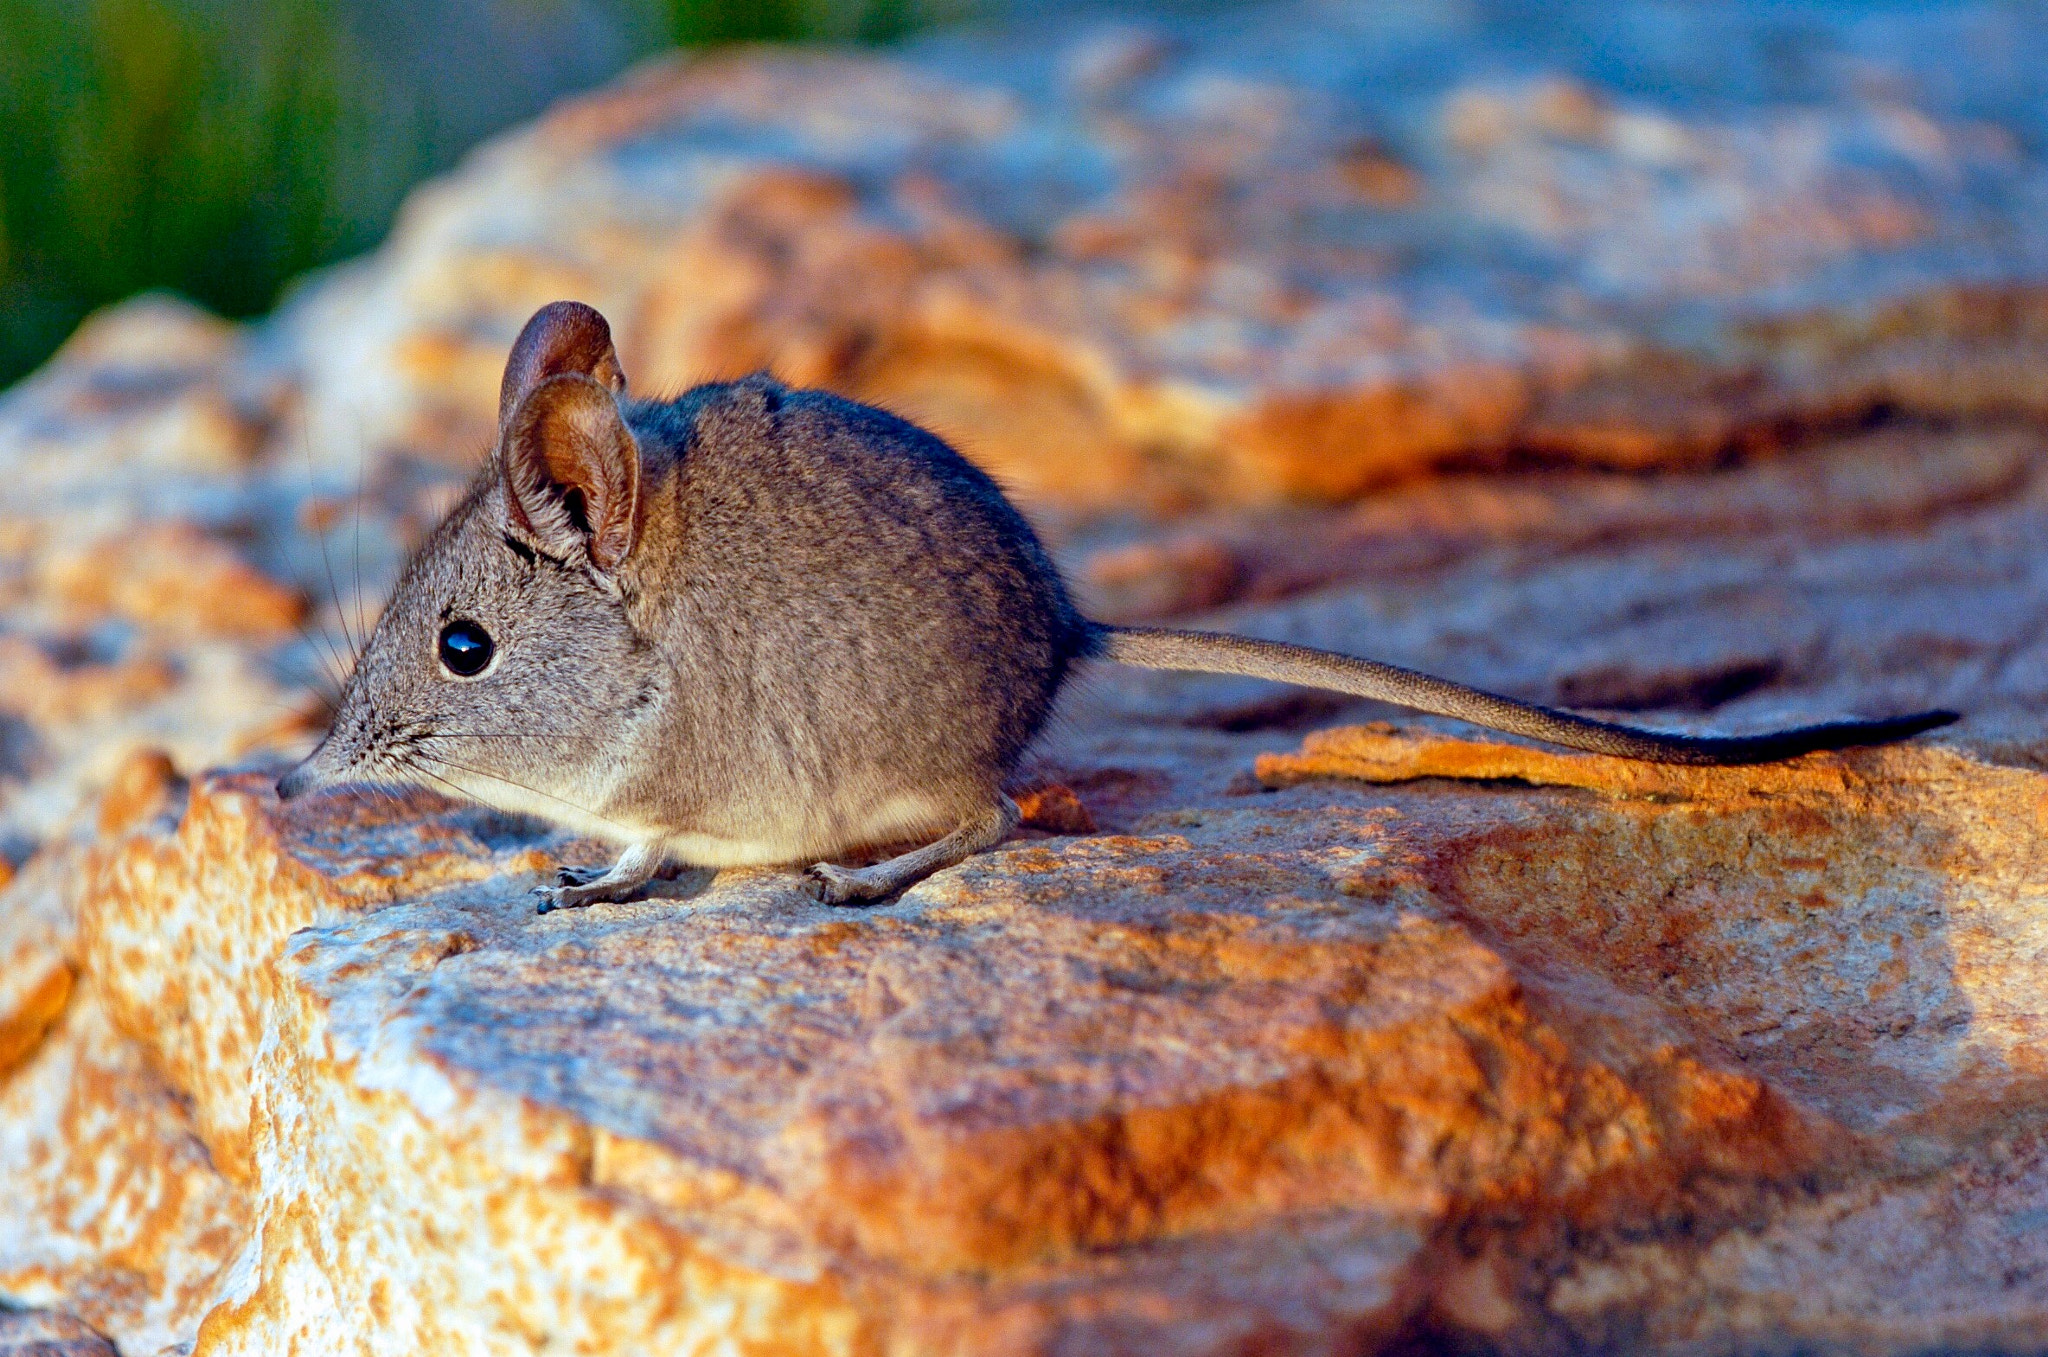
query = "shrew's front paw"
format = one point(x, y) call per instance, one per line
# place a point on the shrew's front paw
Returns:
point(551, 898)
point(569, 890)
point(576, 887)
point(601, 891)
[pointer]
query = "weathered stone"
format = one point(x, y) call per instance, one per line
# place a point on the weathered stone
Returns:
point(113, 1209)
point(1086, 1091)
point(45, 1333)
point(1946, 1263)
point(1055, 809)
point(1277, 1028)
point(1256, 266)
point(203, 1018)
point(37, 963)
point(1072, 1090)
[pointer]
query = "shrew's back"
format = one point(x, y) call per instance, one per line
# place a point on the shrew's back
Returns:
point(854, 612)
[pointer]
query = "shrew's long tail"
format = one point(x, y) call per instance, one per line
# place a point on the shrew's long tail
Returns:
point(1214, 653)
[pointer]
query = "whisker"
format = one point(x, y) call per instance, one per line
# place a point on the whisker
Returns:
point(460, 794)
point(510, 782)
point(280, 705)
point(324, 643)
point(362, 463)
point(493, 735)
point(526, 741)
point(333, 590)
point(314, 675)
point(328, 678)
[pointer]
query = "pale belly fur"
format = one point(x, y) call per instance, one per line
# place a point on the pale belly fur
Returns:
point(797, 839)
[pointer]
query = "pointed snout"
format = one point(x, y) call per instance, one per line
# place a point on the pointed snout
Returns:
point(305, 776)
point(297, 782)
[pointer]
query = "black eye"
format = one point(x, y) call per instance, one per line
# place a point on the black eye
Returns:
point(465, 648)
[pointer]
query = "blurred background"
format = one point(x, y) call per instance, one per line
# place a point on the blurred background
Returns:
point(219, 148)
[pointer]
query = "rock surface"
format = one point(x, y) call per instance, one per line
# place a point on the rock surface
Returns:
point(1680, 364)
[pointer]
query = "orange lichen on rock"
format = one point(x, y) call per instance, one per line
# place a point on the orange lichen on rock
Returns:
point(220, 893)
point(1054, 808)
point(112, 1208)
point(141, 788)
point(38, 996)
point(1385, 754)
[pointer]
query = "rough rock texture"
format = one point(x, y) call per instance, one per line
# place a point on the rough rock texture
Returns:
point(43, 1334)
point(1680, 363)
point(1284, 254)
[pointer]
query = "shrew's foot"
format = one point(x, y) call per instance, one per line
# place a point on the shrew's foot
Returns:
point(864, 886)
point(830, 885)
point(580, 886)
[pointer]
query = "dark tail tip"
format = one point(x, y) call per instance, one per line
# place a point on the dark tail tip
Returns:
point(1855, 734)
point(1899, 727)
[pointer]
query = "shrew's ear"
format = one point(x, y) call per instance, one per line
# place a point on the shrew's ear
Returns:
point(563, 338)
point(572, 471)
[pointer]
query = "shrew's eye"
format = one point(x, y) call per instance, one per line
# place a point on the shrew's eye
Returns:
point(465, 649)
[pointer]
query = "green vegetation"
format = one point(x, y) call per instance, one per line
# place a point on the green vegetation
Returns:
point(696, 22)
point(219, 148)
point(149, 144)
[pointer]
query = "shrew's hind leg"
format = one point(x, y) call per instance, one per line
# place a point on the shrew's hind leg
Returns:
point(634, 869)
point(848, 886)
